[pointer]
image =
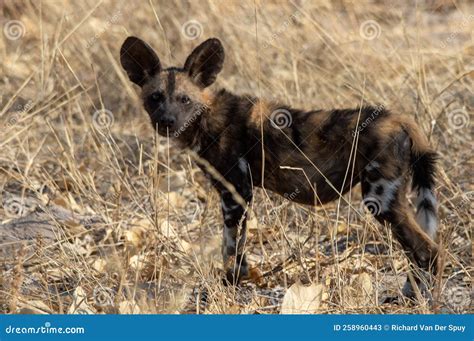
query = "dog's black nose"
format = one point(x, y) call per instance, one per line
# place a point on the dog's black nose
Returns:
point(166, 121)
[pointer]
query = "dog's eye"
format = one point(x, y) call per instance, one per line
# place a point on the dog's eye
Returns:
point(157, 96)
point(184, 99)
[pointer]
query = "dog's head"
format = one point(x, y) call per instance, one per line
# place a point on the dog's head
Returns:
point(174, 97)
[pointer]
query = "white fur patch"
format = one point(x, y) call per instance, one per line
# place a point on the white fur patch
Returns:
point(427, 218)
point(243, 165)
point(372, 165)
point(425, 194)
point(229, 208)
point(382, 200)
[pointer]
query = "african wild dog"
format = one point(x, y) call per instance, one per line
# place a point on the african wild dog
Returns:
point(244, 140)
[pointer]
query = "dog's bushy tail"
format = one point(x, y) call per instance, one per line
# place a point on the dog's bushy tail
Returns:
point(423, 164)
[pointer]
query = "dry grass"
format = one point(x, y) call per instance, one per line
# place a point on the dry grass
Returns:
point(110, 218)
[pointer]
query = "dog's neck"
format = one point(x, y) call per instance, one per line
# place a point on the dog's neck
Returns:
point(224, 109)
point(211, 123)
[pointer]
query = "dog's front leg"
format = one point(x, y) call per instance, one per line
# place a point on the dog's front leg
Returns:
point(234, 209)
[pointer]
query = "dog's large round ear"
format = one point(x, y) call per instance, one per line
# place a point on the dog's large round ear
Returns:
point(139, 60)
point(205, 62)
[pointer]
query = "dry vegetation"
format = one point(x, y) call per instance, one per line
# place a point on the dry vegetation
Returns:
point(99, 216)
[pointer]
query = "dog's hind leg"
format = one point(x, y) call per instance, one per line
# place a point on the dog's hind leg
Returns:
point(385, 184)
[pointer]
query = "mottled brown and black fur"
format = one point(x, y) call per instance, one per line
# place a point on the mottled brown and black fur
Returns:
point(313, 157)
